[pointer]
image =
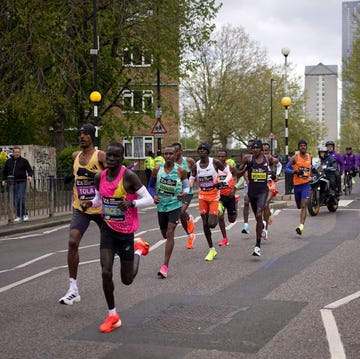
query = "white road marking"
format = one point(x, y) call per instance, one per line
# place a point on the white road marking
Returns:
point(336, 346)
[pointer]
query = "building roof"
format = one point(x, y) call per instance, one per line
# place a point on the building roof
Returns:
point(321, 69)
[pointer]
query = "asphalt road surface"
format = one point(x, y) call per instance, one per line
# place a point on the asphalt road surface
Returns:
point(300, 299)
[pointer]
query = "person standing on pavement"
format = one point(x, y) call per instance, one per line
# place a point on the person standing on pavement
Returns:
point(168, 186)
point(206, 173)
point(299, 166)
point(187, 220)
point(149, 165)
point(258, 167)
point(18, 167)
point(86, 163)
point(227, 197)
point(159, 159)
point(119, 193)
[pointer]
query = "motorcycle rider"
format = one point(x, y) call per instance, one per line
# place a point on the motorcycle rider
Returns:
point(329, 165)
point(350, 161)
point(340, 164)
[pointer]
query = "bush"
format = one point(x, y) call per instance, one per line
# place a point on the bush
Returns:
point(64, 161)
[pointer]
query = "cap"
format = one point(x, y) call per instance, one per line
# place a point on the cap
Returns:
point(89, 129)
point(302, 142)
point(204, 145)
point(256, 144)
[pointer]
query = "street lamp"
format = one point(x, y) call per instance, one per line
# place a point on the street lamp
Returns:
point(286, 102)
point(271, 118)
point(95, 96)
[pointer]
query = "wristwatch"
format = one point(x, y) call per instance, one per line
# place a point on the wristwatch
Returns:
point(133, 203)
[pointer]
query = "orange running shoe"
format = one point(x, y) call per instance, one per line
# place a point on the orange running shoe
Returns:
point(111, 322)
point(224, 242)
point(142, 245)
point(190, 224)
point(190, 241)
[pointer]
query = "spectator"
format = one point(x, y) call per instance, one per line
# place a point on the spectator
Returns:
point(20, 168)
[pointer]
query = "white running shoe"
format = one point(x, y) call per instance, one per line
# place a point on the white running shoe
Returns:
point(26, 218)
point(264, 233)
point(70, 297)
point(257, 252)
point(17, 219)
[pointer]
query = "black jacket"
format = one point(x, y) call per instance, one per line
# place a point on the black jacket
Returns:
point(19, 168)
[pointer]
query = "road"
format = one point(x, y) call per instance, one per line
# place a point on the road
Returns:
point(300, 299)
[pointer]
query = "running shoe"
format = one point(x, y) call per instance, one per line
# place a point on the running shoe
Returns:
point(190, 241)
point(163, 272)
point(111, 322)
point(221, 209)
point(190, 225)
point(26, 218)
point(211, 255)
point(257, 252)
point(224, 242)
point(299, 229)
point(245, 229)
point(140, 244)
point(17, 219)
point(264, 233)
point(271, 215)
point(70, 297)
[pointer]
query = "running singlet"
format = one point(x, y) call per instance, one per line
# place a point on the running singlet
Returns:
point(168, 186)
point(225, 191)
point(258, 175)
point(184, 165)
point(84, 187)
point(303, 164)
point(112, 193)
point(207, 178)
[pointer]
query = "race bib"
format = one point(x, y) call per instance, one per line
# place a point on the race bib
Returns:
point(167, 187)
point(111, 210)
point(85, 189)
point(206, 183)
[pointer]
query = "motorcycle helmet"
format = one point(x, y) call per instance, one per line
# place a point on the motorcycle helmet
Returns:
point(330, 143)
point(323, 149)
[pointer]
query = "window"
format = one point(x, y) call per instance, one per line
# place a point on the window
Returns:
point(135, 57)
point(138, 101)
point(138, 146)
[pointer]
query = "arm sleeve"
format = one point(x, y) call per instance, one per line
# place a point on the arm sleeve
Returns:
point(288, 168)
point(96, 201)
point(145, 199)
point(278, 168)
point(228, 174)
point(151, 186)
point(185, 186)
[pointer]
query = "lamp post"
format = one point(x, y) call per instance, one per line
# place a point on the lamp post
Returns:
point(95, 96)
point(271, 119)
point(286, 102)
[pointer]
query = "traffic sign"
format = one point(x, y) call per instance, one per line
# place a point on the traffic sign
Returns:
point(158, 128)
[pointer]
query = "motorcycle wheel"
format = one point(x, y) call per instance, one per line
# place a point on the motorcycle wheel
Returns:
point(332, 206)
point(313, 205)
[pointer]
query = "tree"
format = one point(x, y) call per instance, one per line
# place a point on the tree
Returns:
point(350, 129)
point(227, 97)
point(46, 69)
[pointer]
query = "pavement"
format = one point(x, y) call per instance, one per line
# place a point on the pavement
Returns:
point(37, 223)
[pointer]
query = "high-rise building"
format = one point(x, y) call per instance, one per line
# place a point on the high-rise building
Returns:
point(350, 11)
point(321, 86)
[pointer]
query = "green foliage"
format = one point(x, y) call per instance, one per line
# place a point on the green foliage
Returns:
point(47, 72)
point(227, 97)
point(64, 160)
point(350, 129)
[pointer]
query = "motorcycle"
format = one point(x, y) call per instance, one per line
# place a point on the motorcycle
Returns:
point(321, 194)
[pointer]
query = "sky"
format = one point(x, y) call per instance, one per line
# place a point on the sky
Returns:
point(311, 29)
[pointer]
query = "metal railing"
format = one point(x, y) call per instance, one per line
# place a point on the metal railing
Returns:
point(45, 197)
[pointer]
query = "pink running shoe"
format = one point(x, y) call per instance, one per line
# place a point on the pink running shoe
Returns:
point(163, 272)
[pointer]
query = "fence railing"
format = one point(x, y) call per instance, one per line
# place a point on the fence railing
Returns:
point(45, 197)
